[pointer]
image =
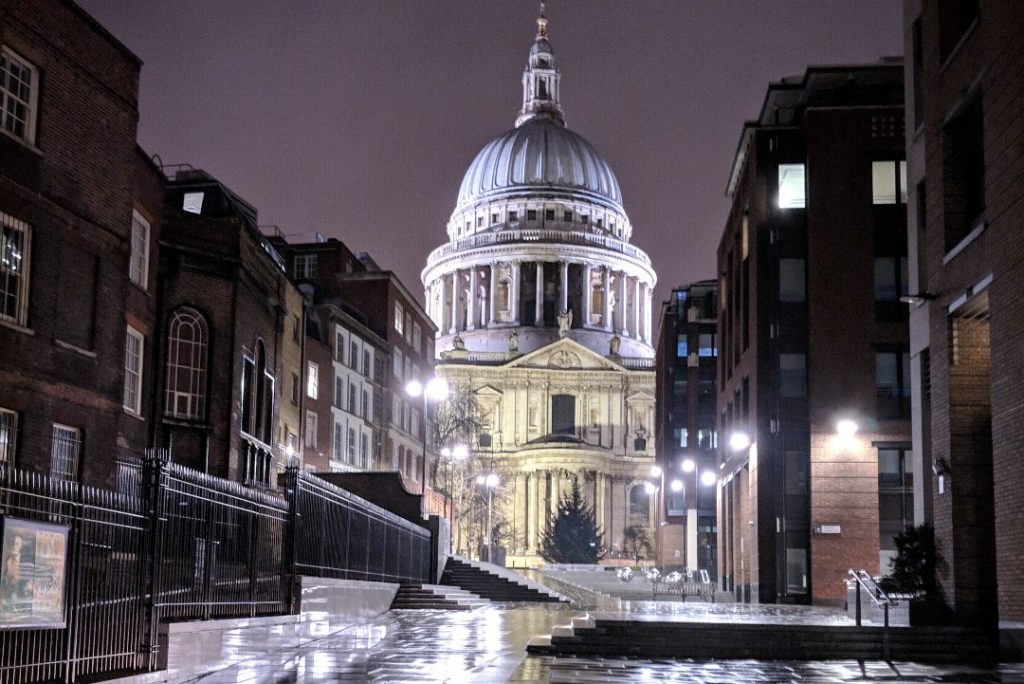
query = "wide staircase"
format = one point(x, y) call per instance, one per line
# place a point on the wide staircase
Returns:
point(620, 636)
point(435, 597)
point(495, 583)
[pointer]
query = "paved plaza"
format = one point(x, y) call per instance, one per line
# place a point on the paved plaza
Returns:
point(487, 645)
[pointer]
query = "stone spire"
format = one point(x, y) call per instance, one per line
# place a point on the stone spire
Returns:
point(540, 79)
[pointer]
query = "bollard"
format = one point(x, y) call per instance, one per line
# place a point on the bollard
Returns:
point(858, 604)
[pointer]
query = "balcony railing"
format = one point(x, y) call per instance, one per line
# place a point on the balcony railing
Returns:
point(539, 236)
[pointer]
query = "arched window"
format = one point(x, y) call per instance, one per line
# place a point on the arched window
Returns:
point(187, 339)
point(639, 506)
point(257, 395)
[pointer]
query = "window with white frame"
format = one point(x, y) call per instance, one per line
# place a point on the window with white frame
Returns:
point(133, 348)
point(305, 266)
point(792, 193)
point(185, 394)
point(65, 452)
point(399, 318)
point(312, 380)
point(367, 363)
point(19, 95)
point(351, 445)
point(353, 355)
point(339, 391)
point(408, 328)
point(396, 410)
point(311, 429)
point(138, 268)
point(8, 435)
point(15, 244)
point(364, 451)
point(399, 363)
point(338, 443)
point(366, 405)
point(352, 407)
point(417, 338)
point(339, 346)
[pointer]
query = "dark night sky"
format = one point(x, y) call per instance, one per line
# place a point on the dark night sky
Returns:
point(358, 119)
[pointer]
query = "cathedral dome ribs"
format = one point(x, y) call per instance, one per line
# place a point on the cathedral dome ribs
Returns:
point(539, 241)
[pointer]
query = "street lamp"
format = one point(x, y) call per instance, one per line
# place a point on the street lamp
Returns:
point(708, 478)
point(459, 452)
point(435, 390)
point(490, 481)
point(739, 441)
point(688, 465)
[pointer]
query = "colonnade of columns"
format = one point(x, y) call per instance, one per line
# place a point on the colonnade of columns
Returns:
point(535, 498)
point(614, 301)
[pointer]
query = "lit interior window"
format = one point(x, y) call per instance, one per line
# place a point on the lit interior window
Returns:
point(791, 186)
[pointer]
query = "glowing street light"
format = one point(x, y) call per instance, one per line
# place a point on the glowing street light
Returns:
point(739, 441)
point(650, 487)
point(676, 485)
point(846, 428)
point(435, 390)
point(708, 478)
point(688, 465)
point(655, 471)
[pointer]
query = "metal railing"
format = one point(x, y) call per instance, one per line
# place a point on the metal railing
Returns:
point(104, 627)
point(542, 236)
point(864, 582)
point(341, 535)
point(173, 544)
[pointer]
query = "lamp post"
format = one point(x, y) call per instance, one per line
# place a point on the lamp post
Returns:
point(457, 453)
point(435, 390)
point(490, 481)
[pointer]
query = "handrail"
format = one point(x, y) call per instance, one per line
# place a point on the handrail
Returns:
point(882, 599)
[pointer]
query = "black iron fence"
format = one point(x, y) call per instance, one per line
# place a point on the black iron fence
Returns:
point(376, 546)
point(173, 544)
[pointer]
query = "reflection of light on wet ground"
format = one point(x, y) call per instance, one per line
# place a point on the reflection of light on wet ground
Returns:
point(487, 645)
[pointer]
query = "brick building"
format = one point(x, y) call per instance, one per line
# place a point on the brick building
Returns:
point(965, 155)
point(228, 340)
point(380, 338)
point(812, 333)
point(75, 279)
point(685, 427)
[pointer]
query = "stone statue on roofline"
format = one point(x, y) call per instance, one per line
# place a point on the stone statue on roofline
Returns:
point(564, 322)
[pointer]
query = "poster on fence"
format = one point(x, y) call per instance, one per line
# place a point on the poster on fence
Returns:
point(32, 574)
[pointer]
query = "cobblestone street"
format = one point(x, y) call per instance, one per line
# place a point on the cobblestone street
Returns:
point(487, 645)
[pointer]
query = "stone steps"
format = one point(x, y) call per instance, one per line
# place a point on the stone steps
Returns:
point(434, 597)
point(490, 585)
point(653, 639)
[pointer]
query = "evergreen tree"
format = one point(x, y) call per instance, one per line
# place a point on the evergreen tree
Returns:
point(573, 536)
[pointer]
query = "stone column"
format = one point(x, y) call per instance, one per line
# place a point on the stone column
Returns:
point(539, 305)
point(513, 292)
point(531, 511)
point(455, 302)
point(556, 483)
point(492, 288)
point(623, 317)
point(471, 304)
point(636, 308)
point(564, 285)
point(587, 292)
point(606, 318)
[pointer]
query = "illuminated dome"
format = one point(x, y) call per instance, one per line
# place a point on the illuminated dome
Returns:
point(539, 242)
point(539, 156)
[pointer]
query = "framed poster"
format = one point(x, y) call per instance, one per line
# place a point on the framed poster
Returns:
point(33, 564)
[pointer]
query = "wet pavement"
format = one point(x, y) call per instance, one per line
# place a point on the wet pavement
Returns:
point(488, 645)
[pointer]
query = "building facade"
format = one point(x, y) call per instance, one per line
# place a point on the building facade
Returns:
point(229, 344)
point(76, 274)
point(813, 362)
point(543, 312)
point(686, 432)
point(379, 338)
point(965, 86)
